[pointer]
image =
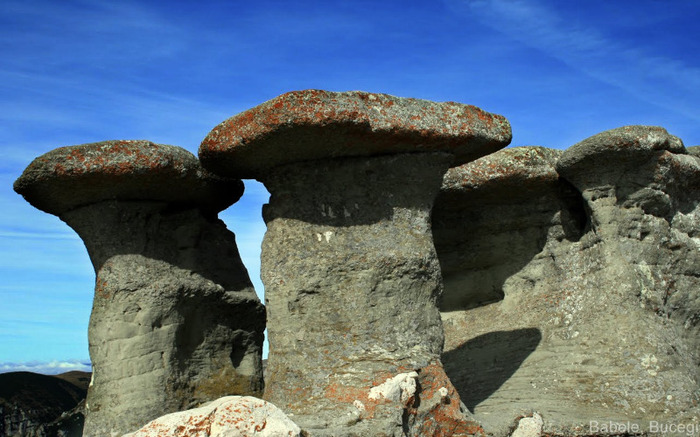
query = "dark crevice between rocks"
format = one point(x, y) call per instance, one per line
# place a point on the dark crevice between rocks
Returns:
point(575, 215)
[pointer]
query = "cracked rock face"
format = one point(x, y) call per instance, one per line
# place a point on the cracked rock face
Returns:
point(590, 282)
point(175, 320)
point(348, 262)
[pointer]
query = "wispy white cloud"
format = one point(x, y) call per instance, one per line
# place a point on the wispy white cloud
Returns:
point(91, 110)
point(653, 77)
point(47, 368)
point(37, 235)
point(94, 30)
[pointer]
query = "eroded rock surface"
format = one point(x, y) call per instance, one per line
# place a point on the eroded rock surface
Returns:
point(493, 215)
point(230, 416)
point(175, 320)
point(315, 124)
point(593, 312)
point(348, 262)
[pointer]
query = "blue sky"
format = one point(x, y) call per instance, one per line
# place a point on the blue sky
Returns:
point(74, 72)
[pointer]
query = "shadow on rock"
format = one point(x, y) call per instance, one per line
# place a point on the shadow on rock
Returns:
point(483, 364)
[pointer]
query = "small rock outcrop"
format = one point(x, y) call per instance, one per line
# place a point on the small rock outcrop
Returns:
point(230, 416)
point(35, 405)
point(175, 319)
point(571, 283)
point(348, 262)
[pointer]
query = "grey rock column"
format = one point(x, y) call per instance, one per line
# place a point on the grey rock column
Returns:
point(642, 189)
point(571, 283)
point(494, 215)
point(350, 271)
point(175, 319)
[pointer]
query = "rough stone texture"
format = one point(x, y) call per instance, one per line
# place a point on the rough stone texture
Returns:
point(348, 262)
point(493, 215)
point(231, 416)
point(351, 281)
point(175, 320)
point(68, 177)
point(529, 426)
point(315, 124)
point(35, 405)
point(596, 310)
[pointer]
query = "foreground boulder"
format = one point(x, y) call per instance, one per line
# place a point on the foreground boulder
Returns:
point(175, 320)
point(350, 272)
point(580, 301)
point(231, 416)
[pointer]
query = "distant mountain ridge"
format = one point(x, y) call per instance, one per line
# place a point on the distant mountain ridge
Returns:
point(32, 404)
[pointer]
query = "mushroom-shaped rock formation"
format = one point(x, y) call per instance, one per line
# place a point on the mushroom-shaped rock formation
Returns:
point(596, 266)
point(493, 215)
point(175, 319)
point(348, 262)
point(642, 189)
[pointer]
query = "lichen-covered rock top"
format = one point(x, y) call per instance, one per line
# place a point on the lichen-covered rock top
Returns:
point(617, 147)
point(314, 124)
point(506, 170)
point(73, 176)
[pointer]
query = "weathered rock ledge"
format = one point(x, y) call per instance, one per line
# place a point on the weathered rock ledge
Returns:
point(571, 283)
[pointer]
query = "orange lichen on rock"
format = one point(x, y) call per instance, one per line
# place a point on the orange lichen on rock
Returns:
point(315, 124)
point(440, 412)
point(73, 176)
point(227, 416)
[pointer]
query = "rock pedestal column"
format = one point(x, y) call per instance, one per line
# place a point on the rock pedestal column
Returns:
point(493, 215)
point(348, 262)
point(175, 319)
point(571, 284)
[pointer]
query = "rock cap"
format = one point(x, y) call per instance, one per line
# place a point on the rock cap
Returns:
point(618, 147)
point(315, 124)
point(73, 176)
point(509, 170)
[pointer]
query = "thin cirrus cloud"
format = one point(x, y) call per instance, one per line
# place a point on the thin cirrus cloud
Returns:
point(652, 77)
point(87, 111)
point(94, 30)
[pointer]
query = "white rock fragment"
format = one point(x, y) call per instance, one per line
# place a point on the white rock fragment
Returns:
point(326, 235)
point(399, 388)
point(231, 416)
point(529, 427)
